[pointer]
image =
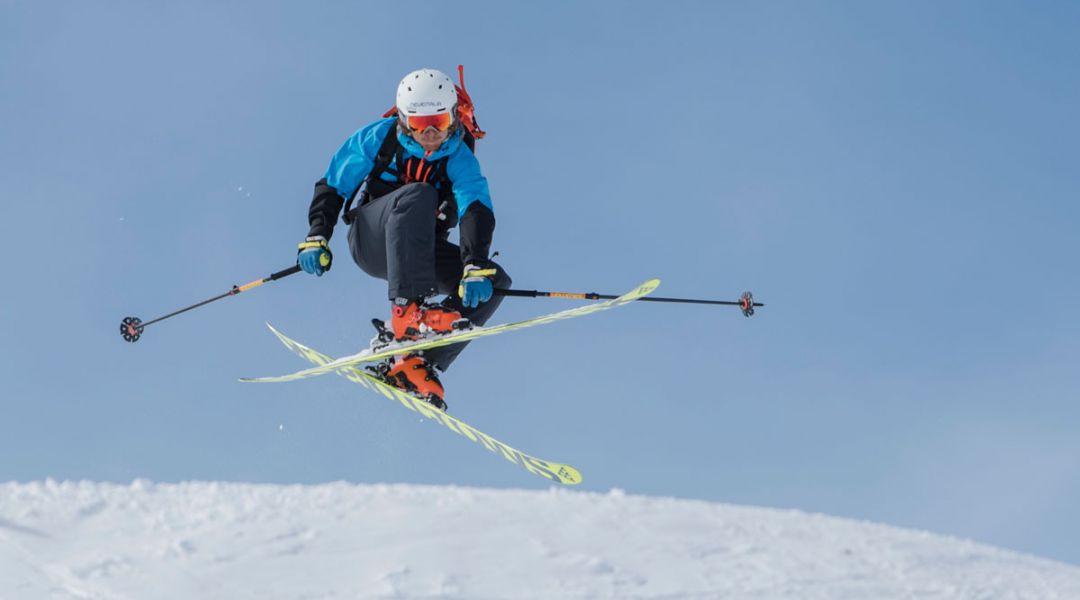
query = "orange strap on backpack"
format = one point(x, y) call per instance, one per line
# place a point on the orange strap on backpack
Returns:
point(465, 111)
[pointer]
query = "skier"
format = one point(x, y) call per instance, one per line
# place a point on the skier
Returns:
point(413, 177)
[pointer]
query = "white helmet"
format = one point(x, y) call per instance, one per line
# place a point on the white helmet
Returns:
point(426, 92)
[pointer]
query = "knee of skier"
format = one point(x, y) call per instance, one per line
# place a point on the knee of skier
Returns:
point(416, 196)
point(502, 278)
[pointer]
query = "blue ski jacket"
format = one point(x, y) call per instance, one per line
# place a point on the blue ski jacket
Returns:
point(354, 161)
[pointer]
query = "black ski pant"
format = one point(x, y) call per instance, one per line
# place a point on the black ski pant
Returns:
point(393, 237)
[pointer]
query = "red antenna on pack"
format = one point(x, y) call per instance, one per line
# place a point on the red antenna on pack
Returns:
point(465, 108)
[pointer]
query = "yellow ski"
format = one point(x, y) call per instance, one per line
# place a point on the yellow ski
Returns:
point(554, 471)
point(367, 355)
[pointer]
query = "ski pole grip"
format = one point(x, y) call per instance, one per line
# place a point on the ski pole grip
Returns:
point(285, 273)
point(517, 293)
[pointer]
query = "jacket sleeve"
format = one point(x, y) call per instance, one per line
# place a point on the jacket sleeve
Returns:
point(325, 206)
point(475, 229)
point(476, 216)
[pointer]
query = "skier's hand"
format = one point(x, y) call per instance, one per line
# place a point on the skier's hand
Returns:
point(476, 286)
point(314, 255)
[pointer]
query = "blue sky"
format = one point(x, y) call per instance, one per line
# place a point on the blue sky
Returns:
point(897, 181)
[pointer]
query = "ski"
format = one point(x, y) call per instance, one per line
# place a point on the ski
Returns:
point(559, 472)
point(369, 355)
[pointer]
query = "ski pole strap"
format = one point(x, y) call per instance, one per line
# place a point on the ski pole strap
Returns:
point(481, 273)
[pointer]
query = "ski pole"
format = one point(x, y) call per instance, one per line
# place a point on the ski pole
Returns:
point(745, 302)
point(132, 327)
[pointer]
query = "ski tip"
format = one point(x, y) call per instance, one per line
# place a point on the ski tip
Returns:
point(567, 475)
point(647, 287)
point(280, 336)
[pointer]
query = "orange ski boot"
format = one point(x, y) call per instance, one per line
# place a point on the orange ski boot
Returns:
point(415, 375)
point(413, 320)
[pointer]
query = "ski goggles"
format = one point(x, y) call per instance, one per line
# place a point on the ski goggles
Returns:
point(419, 123)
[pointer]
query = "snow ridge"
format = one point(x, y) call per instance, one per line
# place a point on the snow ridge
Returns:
point(86, 540)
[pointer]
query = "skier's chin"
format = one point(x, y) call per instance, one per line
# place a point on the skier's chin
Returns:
point(430, 141)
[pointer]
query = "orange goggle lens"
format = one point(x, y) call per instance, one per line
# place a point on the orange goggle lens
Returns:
point(441, 122)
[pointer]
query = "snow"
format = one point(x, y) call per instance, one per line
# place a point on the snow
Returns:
point(87, 540)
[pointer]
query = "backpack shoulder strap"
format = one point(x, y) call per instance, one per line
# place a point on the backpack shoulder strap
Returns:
point(389, 148)
point(387, 151)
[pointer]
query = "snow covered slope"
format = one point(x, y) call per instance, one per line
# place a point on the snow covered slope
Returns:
point(238, 541)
